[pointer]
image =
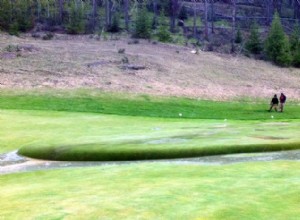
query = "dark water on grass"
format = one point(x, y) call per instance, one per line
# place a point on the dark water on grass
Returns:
point(13, 163)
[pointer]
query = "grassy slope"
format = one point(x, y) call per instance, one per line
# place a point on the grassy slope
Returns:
point(155, 191)
point(170, 70)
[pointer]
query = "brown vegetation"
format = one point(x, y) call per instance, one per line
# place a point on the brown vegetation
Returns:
point(168, 70)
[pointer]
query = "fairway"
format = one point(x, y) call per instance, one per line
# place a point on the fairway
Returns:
point(156, 190)
point(97, 137)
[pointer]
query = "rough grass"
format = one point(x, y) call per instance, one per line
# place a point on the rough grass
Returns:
point(268, 190)
point(79, 62)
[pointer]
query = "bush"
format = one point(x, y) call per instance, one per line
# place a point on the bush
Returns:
point(36, 35)
point(134, 41)
point(48, 36)
point(12, 48)
point(121, 50)
point(14, 29)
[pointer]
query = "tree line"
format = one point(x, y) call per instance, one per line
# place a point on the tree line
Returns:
point(165, 18)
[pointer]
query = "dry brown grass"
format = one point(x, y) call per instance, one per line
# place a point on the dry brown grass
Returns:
point(171, 70)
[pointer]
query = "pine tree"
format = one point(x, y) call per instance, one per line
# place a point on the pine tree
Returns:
point(5, 14)
point(142, 24)
point(76, 23)
point(277, 44)
point(295, 45)
point(254, 45)
point(164, 35)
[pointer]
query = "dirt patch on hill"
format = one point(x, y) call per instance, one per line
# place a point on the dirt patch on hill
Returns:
point(168, 70)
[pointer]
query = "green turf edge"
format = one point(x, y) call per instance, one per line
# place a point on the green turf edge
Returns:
point(94, 153)
point(144, 105)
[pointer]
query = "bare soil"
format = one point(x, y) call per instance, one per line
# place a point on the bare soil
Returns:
point(73, 62)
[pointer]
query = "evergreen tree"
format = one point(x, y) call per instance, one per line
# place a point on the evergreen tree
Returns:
point(164, 35)
point(142, 24)
point(277, 44)
point(5, 14)
point(76, 22)
point(16, 17)
point(254, 45)
point(295, 45)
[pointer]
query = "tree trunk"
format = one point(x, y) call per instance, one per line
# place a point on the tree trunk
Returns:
point(155, 10)
point(94, 14)
point(233, 24)
point(195, 19)
point(205, 21)
point(212, 17)
point(126, 11)
point(297, 9)
point(268, 10)
point(174, 10)
point(108, 13)
point(61, 10)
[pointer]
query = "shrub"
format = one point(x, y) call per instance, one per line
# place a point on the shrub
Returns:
point(12, 48)
point(121, 50)
point(48, 36)
point(134, 41)
point(14, 29)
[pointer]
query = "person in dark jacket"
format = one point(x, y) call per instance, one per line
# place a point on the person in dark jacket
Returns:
point(274, 103)
point(282, 100)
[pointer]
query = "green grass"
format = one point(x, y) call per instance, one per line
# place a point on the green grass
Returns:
point(144, 105)
point(77, 126)
point(265, 190)
point(103, 127)
point(89, 136)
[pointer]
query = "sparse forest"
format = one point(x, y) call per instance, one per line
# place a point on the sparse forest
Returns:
point(227, 26)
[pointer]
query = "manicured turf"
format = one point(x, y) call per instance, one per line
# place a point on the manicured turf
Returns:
point(143, 105)
point(74, 127)
point(266, 190)
point(69, 126)
point(90, 136)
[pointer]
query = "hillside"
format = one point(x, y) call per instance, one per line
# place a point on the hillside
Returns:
point(73, 62)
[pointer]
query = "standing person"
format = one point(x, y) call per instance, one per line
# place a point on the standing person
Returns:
point(274, 103)
point(282, 100)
